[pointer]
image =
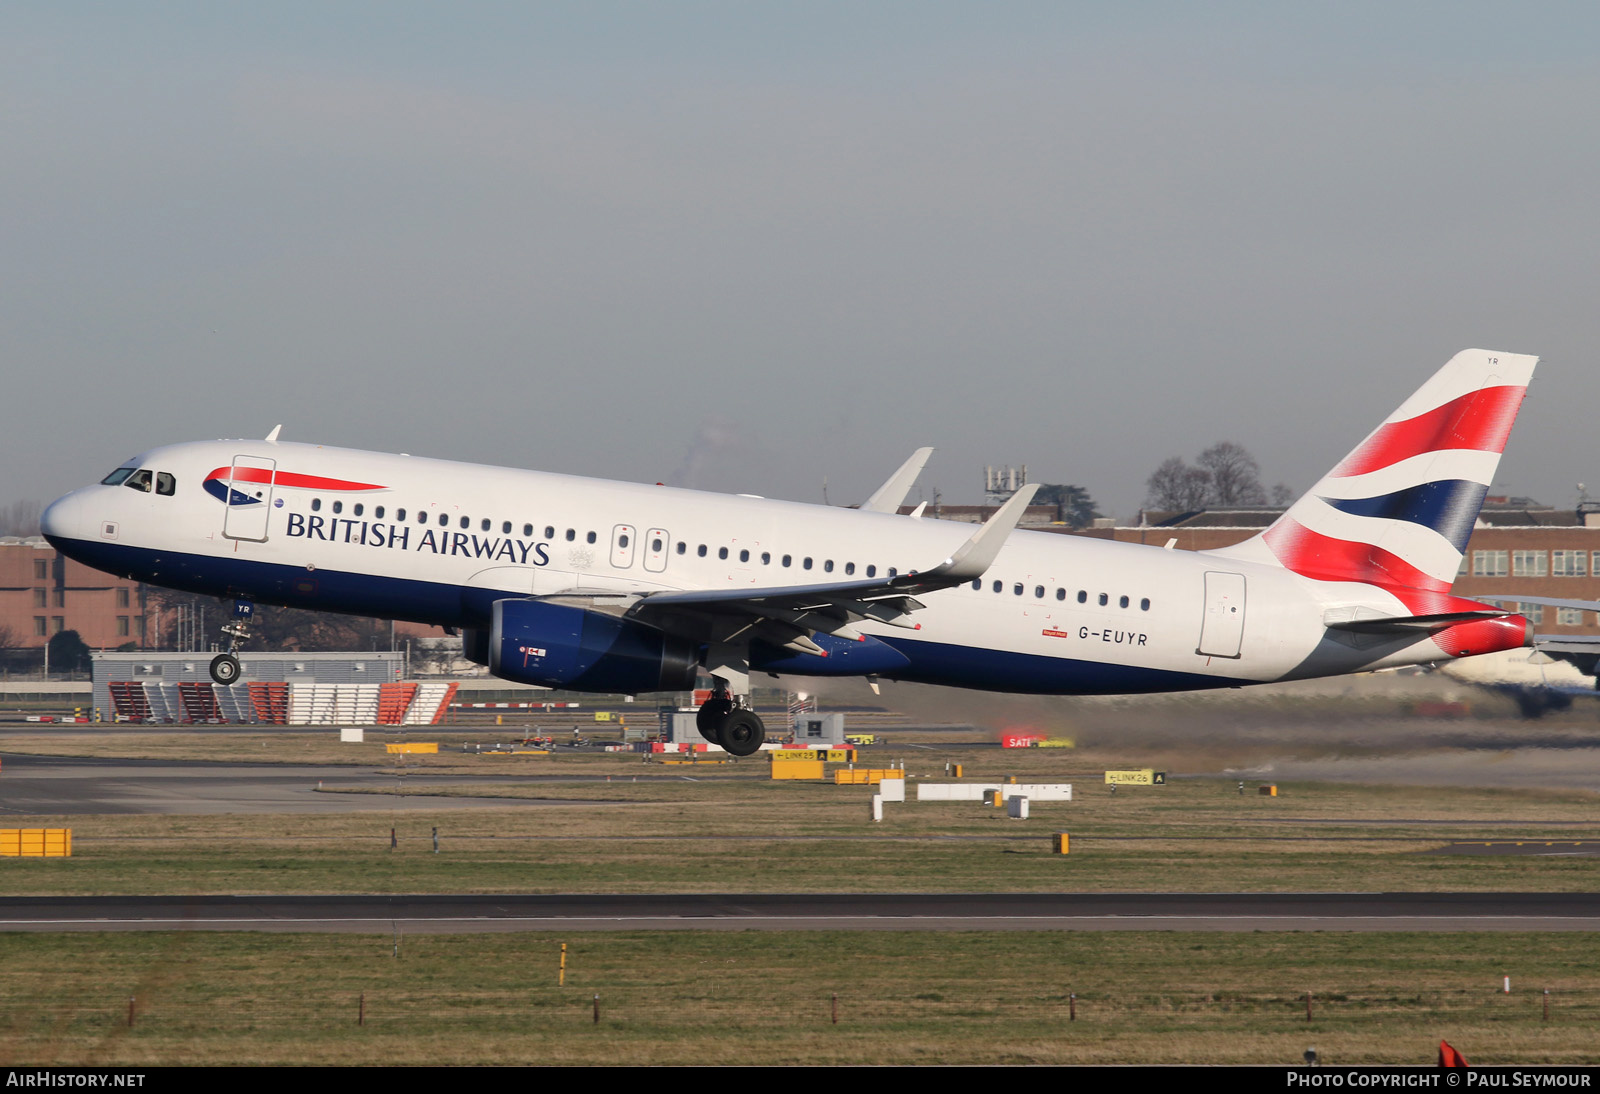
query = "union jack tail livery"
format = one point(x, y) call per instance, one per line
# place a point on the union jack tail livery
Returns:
point(1396, 512)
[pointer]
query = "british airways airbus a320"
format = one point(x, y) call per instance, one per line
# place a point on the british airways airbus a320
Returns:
point(616, 587)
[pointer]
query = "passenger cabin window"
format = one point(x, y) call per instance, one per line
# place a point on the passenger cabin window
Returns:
point(1104, 599)
point(549, 531)
point(998, 586)
point(1038, 592)
point(357, 508)
point(1144, 605)
point(378, 513)
point(527, 531)
point(484, 526)
point(444, 520)
point(828, 566)
point(701, 550)
point(849, 567)
point(872, 571)
point(788, 560)
point(338, 507)
point(399, 514)
point(806, 564)
point(744, 556)
point(166, 484)
point(316, 505)
point(1123, 602)
point(590, 537)
point(505, 527)
point(977, 584)
point(1017, 588)
point(572, 534)
point(1083, 596)
point(466, 522)
point(722, 552)
point(766, 558)
point(682, 547)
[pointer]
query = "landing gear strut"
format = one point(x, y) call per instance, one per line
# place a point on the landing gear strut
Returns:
point(724, 723)
point(225, 666)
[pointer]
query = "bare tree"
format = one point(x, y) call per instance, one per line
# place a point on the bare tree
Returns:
point(1176, 485)
point(20, 518)
point(1235, 475)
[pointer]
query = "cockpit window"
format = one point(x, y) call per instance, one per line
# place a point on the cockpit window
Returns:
point(165, 483)
point(140, 480)
point(116, 477)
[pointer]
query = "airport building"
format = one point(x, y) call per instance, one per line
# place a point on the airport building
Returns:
point(281, 688)
point(42, 594)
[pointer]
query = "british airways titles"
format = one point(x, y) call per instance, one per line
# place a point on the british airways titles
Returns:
point(398, 537)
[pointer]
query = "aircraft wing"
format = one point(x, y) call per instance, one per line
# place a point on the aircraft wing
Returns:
point(788, 615)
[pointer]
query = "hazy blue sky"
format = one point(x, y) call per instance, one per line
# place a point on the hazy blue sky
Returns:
point(745, 246)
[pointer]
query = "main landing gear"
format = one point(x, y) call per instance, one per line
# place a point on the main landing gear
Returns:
point(225, 666)
point(724, 723)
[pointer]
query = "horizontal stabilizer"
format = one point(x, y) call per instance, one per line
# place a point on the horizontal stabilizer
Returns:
point(1401, 624)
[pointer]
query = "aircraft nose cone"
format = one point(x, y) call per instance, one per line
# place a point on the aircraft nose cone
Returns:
point(63, 519)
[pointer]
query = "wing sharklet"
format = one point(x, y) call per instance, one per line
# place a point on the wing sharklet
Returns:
point(892, 494)
point(974, 557)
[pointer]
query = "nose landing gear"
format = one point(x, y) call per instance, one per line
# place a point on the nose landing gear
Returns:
point(225, 666)
point(225, 669)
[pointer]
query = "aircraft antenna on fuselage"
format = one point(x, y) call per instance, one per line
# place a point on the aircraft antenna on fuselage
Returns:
point(272, 438)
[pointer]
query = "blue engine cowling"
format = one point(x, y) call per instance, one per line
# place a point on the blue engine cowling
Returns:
point(557, 646)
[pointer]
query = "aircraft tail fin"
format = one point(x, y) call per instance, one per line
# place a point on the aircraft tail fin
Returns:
point(1397, 511)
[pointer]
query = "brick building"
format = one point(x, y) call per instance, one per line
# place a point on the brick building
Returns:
point(42, 593)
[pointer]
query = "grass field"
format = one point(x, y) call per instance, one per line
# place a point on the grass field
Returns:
point(725, 828)
point(765, 997)
point(762, 998)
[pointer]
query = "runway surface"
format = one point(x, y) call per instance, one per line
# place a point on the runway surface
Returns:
point(451, 913)
point(87, 785)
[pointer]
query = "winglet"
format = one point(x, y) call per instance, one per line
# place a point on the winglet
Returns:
point(272, 438)
point(892, 494)
point(976, 555)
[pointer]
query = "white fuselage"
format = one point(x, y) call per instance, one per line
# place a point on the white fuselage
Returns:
point(437, 542)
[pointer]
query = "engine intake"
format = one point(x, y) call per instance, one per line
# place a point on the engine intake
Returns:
point(559, 646)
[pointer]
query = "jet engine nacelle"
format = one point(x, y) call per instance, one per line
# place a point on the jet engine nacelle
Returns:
point(558, 646)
